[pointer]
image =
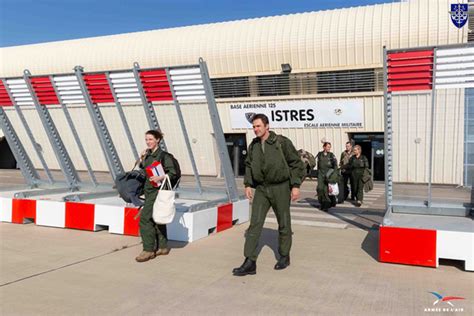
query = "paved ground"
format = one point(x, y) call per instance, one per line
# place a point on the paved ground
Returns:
point(334, 270)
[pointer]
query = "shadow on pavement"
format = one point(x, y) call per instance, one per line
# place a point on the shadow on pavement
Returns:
point(458, 264)
point(269, 238)
point(371, 243)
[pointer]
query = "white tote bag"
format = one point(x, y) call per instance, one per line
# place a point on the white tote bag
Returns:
point(333, 189)
point(164, 208)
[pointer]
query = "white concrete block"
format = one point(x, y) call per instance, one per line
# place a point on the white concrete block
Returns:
point(457, 246)
point(203, 221)
point(6, 210)
point(51, 213)
point(181, 226)
point(192, 226)
point(241, 211)
point(111, 216)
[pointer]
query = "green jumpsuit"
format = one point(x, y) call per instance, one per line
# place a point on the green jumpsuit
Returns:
point(273, 169)
point(154, 235)
point(326, 162)
point(357, 167)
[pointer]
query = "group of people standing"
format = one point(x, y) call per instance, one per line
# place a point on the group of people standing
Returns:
point(273, 175)
point(353, 168)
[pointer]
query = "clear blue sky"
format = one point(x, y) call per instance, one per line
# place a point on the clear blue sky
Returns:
point(35, 21)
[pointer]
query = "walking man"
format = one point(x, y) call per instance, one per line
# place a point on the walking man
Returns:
point(346, 171)
point(274, 169)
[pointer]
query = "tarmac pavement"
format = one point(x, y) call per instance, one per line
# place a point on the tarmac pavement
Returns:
point(334, 271)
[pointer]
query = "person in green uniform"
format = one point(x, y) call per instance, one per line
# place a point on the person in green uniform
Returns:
point(345, 171)
point(154, 236)
point(358, 164)
point(327, 172)
point(274, 169)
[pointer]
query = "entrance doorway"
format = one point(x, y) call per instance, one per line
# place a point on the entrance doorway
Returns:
point(237, 148)
point(372, 145)
point(7, 160)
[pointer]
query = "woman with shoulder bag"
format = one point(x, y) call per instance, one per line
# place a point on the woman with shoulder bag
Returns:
point(154, 236)
point(358, 163)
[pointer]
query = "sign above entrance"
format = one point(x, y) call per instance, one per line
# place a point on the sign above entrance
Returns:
point(301, 114)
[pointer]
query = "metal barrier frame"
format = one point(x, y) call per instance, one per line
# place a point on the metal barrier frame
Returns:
point(105, 139)
point(429, 208)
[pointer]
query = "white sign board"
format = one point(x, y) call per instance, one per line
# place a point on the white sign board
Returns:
point(301, 114)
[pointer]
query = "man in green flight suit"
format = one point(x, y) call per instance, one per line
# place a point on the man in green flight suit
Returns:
point(274, 169)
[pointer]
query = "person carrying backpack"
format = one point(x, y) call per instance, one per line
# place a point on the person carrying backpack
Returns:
point(346, 171)
point(327, 173)
point(154, 236)
point(359, 165)
point(274, 169)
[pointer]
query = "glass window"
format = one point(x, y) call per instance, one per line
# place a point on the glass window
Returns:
point(469, 175)
point(236, 87)
point(470, 154)
point(273, 85)
point(361, 80)
point(470, 130)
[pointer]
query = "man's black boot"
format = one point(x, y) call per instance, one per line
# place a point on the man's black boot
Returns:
point(248, 267)
point(282, 263)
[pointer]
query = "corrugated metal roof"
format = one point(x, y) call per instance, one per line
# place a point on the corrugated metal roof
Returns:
point(332, 39)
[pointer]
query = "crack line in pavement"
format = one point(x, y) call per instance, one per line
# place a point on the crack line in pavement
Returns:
point(69, 265)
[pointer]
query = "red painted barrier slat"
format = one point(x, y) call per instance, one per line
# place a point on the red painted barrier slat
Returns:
point(158, 91)
point(80, 216)
point(48, 97)
point(131, 225)
point(44, 90)
point(410, 71)
point(159, 95)
point(224, 217)
point(412, 54)
point(48, 102)
point(23, 209)
point(46, 93)
point(155, 78)
point(409, 75)
point(36, 80)
point(102, 100)
point(407, 246)
point(97, 83)
point(41, 86)
point(410, 62)
point(98, 88)
point(427, 68)
point(94, 76)
point(149, 73)
point(155, 85)
point(4, 97)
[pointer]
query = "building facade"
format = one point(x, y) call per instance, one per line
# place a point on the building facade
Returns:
point(282, 63)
